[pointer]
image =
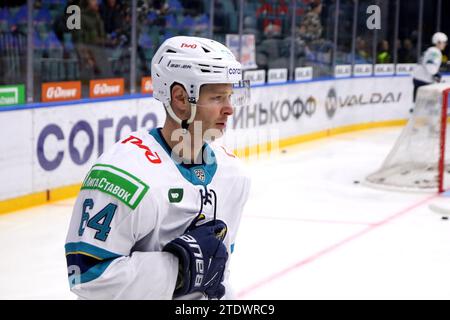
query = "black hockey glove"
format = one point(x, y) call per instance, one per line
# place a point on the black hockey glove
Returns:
point(437, 77)
point(202, 257)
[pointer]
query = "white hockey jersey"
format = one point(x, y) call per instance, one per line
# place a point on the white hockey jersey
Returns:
point(136, 199)
point(429, 65)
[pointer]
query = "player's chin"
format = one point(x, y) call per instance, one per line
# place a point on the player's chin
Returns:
point(214, 132)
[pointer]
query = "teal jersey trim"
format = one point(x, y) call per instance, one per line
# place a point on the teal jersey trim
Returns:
point(93, 273)
point(89, 275)
point(83, 247)
point(195, 174)
point(86, 262)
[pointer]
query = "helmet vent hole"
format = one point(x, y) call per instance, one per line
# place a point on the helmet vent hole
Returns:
point(171, 51)
point(205, 70)
point(206, 50)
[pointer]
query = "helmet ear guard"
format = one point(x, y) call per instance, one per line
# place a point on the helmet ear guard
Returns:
point(183, 122)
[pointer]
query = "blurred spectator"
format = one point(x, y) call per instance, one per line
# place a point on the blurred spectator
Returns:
point(264, 9)
point(250, 28)
point(92, 27)
point(272, 30)
point(362, 53)
point(89, 41)
point(282, 8)
point(110, 11)
point(406, 53)
point(220, 19)
point(193, 7)
point(160, 8)
point(12, 55)
point(311, 26)
point(383, 55)
point(445, 66)
point(268, 19)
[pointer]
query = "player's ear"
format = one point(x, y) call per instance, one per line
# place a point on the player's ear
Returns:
point(179, 100)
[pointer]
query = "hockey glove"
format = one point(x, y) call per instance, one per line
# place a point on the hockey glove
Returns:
point(202, 257)
point(437, 77)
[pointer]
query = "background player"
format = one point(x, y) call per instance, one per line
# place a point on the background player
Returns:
point(427, 70)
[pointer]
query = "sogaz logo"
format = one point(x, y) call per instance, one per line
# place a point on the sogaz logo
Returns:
point(79, 139)
point(234, 71)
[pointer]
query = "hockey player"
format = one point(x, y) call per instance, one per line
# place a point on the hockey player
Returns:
point(427, 70)
point(157, 218)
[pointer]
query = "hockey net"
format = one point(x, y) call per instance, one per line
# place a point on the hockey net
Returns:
point(420, 159)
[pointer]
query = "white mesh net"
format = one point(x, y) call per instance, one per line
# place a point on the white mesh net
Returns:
point(413, 162)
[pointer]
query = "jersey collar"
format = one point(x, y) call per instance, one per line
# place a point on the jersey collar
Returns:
point(194, 173)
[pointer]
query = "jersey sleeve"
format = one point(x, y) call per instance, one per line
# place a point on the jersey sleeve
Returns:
point(432, 61)
point(113, 212)
point(240, 205)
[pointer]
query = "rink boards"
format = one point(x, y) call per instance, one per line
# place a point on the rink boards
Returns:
point(48, 149)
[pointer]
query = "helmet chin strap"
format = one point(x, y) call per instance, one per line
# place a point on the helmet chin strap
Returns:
point(184, 123)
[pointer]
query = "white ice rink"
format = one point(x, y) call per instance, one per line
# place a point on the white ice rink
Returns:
point(308, 232)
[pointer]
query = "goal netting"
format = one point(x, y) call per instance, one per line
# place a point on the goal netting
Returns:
point(420, 159)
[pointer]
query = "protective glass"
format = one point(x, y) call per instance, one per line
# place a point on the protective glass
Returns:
point(239, 97)
point(241, 94)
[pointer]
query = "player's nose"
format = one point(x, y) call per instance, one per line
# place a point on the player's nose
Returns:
point(227, 108)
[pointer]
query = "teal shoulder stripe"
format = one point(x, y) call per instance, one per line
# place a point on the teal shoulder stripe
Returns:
point(83, 247)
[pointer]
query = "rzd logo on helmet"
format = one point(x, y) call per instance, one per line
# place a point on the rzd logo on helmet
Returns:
point(186, 45)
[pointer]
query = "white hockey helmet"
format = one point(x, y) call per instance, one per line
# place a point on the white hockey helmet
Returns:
point(192, 62)
point(439, 37)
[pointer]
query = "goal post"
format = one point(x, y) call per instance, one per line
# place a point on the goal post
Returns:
point(442, 142)
point(420, 158)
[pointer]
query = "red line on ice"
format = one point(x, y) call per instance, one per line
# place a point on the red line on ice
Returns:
point(312, 220)
point(331, 248)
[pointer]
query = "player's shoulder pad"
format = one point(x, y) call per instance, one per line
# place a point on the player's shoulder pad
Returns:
point(123, 170)
point(116, 182)
point(222, 151)
point(433, 52)
point(227, 158)
point(138, 146)
point(225, 150)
